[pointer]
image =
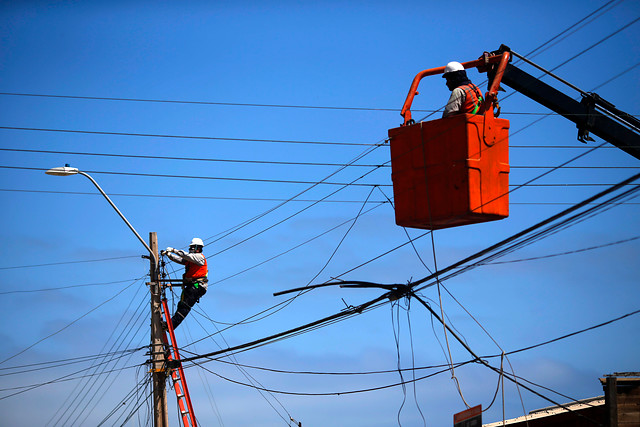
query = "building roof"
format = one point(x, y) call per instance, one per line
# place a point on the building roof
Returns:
point(552, 411)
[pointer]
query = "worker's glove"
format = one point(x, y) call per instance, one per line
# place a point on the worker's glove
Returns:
point(170, 250)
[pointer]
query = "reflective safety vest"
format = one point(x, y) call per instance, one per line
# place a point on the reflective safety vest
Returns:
point(473, 99)
point(195, 271)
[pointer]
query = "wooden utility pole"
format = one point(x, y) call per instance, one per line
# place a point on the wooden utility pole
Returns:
point(158, 360)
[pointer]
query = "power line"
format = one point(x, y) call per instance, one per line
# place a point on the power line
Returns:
point(69, 262)
point(565, 253)
point(65, 287)
point(290, 163)
point(317, 107)
point(231, 104)
point(216, 178)
point(63, 362)
point(590, 328)
point(335, 393)
point(568, 31)
point(195, 159)
point(69, 377)
point(284, 181)
point(293, 248)
point(100, 389)
point(261, 215)
point(172, 196)
point(247, 199)
point(596, 44)
point(67, 326)
point(206, 138)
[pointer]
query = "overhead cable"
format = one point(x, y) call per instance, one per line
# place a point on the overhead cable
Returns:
point(177, 196)
point(69, 262)
point(206, 138)
point(194, 159)
point(66, 326)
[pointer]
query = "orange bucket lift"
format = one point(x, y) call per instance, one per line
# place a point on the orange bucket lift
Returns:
point(452, 171)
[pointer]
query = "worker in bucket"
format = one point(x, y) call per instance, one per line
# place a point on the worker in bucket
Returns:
point(195, 279)
point(465, 96)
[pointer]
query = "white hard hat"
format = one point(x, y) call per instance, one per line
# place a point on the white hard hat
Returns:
point(196, 241)
point(453, 66)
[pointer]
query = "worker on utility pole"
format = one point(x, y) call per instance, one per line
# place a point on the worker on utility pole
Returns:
point(465, 96)
point(194, 279)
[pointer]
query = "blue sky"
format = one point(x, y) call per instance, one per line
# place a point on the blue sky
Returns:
point(256, 68)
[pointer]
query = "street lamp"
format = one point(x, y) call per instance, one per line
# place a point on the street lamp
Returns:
point(157, 352)
point(68, 170)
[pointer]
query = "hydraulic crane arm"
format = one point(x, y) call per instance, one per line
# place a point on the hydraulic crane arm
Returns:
point(623, 132)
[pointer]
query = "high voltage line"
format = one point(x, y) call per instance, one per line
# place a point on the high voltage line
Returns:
point(283, 181)
point(237, 104)
point(206, 138)
point(287, 163)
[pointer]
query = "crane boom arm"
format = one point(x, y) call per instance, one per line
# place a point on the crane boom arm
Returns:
point(583, 114)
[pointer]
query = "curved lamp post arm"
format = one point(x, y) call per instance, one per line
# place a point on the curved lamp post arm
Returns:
point(153, 255)
point(66, 171)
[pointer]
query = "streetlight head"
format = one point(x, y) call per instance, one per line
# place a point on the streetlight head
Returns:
point(65, 170)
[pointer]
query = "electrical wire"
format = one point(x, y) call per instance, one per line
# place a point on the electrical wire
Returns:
point(317, 236)
point(204, 380)
point(289, 163)
point(582, 52)
point(63, 362)
point(103, 388)
point(235, 104)
point(283, 220)
point(65, 378)
point(395, 313)
point(83, 394)
point(175, 196)
point(128, 396)
point(573, 28)
point(329, 373)
point(604, 245)
point(215, 178)
point(191, 159)
point(69, 262)
point(190, 137)
point(335, 393)
point(353, 223)
point(67, 326)
point(263, 214)
point(413, 364)
point(581, 331)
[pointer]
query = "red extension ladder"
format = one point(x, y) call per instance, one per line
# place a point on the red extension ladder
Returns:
point(177, 373)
